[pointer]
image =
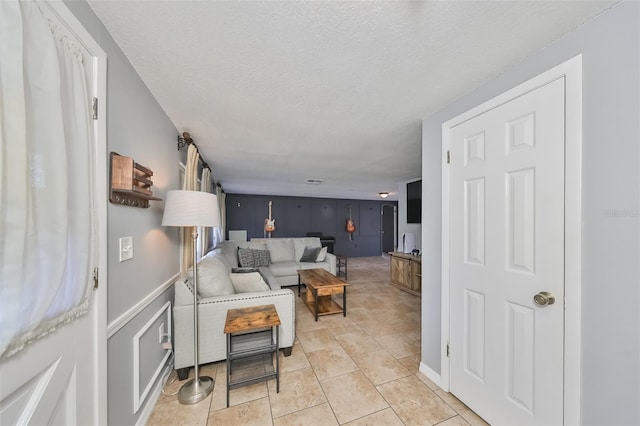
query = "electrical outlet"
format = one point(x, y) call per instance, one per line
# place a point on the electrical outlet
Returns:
point(161, 333)
point(126, 248)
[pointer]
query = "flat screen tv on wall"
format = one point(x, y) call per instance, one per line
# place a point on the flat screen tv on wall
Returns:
point(414, 202)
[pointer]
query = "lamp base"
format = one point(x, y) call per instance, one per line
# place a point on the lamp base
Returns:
point(195, 390)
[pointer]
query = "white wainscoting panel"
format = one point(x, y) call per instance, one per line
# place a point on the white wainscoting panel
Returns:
point(138, 397)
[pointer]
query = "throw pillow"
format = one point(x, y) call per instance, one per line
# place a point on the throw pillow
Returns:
point(249, 282)
point(246, 258)
point(310, 254)
point(213, 278)
point(322, 255)
point(261, 258)
point(261, 271)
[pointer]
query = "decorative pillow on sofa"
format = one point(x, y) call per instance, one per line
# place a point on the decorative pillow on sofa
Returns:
point(261, 258)
point(245, 258)
point(249, 282)
point(310, 254)
point(251, 258)
point(213, 278)
point(250, 270)
point(322, 255)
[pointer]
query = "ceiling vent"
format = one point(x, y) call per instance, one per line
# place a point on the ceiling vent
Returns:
point(313, 181)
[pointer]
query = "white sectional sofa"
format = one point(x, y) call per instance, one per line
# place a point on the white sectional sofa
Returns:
point(285, 256)
point(217, 294)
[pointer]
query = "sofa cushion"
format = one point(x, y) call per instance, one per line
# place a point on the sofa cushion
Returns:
point(229, 249)
point(281, 250)
point(299, 245)
point(249, 282)
point(314, 265)
point(268, 276)
point(254, 245)
point(222, 258)
point(310, 254)
point(213, 277)
point(281, 269)
point(322, 255)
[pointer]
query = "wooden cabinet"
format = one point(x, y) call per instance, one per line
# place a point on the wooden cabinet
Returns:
point(406, 272)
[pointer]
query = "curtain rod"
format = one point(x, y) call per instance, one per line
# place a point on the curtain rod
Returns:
point(186, 140)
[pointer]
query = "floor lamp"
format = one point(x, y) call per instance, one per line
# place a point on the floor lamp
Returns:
point(190, 209)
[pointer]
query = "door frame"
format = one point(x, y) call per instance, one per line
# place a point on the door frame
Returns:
point(571, 71)
point(99, 297)
point(395, 226)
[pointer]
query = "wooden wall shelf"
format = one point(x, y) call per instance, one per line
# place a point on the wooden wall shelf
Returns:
point(130, 183)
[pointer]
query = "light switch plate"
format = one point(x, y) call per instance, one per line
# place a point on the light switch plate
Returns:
point(126, 248)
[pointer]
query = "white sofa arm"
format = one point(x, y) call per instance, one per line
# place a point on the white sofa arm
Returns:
point(331, 258)
point(212, 316)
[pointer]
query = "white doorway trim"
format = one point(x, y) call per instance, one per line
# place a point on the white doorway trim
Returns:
point(100, 175)
point(571, 71)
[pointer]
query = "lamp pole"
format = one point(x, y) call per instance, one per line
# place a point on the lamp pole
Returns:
point(198, 388)
point(193, 209)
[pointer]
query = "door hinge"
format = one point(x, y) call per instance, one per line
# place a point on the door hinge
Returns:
point(448, 157)
point(447, 350)
point(95, 278)
point(94, 109)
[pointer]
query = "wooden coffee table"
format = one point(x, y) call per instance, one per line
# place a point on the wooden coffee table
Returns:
point(321, 285)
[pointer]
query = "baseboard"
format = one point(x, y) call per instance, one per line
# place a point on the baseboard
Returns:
point(154, 395)
point(431, 375)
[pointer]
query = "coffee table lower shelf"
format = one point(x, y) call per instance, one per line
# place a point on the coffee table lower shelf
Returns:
point(326, 305)
point(321, 285)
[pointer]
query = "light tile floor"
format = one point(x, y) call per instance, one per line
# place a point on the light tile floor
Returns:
point(357, 370)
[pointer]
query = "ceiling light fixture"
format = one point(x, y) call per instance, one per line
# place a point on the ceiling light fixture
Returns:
point(313, 181)
point(383, 194)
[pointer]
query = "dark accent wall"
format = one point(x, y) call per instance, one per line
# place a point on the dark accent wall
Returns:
point(295, 216)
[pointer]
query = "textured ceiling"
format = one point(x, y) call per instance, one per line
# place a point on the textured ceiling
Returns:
point(277, 92)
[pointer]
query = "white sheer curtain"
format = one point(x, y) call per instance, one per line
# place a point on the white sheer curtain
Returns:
point(190, 184)
point(222, 200)
point(204, 233)
point(46, 210)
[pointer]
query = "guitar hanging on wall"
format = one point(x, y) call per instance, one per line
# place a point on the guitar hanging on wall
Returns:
point(269, 223)
point(351, 228)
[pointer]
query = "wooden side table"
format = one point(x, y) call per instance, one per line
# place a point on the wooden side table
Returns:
point(252, 337)
point(341, 262)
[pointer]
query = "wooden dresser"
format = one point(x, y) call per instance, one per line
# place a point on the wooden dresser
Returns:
point(406, 272)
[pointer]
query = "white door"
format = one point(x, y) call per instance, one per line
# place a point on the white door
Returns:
point(60, 379)
point(506, 247)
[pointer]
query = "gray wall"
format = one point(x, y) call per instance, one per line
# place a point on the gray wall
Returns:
point(136, 127)
point(295, 216)
point(610, 46)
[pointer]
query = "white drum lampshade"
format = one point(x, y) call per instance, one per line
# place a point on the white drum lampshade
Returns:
point(191, 208)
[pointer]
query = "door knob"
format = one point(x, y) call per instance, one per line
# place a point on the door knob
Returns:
point(544, 298)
